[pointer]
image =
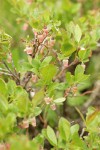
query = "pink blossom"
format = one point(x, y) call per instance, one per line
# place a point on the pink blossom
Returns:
point(7, 146)
point(67, 92)
point(33, 122)
point(34, 78)
point(65, 63)
point(2, 147)
point(24, 124)
point(29, 1)
point(40, 38)
point(25, 27)
point(45, 29)
point(9, 59)
point(74, 89)
point(29, 50)
point(53, 106)
point(47, 100)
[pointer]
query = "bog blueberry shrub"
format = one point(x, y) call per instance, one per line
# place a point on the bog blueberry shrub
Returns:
point(43, 71)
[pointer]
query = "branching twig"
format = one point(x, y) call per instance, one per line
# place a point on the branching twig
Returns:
point(26, 79)
point(5, 73)
point(93, 95)
point(10, 72)
point(62, 71)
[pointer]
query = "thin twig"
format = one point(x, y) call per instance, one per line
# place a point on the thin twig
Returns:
point(5, 73)
point(1, 69)
point(62, 71)
point(26, 79)
point(94, 94)
point(11, 71)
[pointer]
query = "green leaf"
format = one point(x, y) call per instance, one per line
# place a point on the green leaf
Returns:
point(21, 101)
point(37, 111)
point(39, 139)
point(69, 78)
point(3, 104)
point(3, 87)
point(59, 100)
point(74, 129)
point(47, 73)
point(77, 33)
point(27, 66)
point(67, 49)
point(52, 87)
point(36, 63)
point(79, 70)
point(71, 27)
point(83, 55)
point(76, 101)
point(79, 74)
point(64, 129)
point(93, 119)
point(77, 143)
point(46, 61)
point(5, 42)
point(11, 119)
point(11, 85)
point(38, 98)
point(51, 136)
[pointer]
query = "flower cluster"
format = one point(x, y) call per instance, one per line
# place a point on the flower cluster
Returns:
point(48, 101)
point(25, 123)
point(73, 90)
point(41, 40)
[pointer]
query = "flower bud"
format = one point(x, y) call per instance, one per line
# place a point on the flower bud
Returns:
point(34, 78)
point(47, 100)
point(32, 93)
point(9, 58)
point(29, 50)
point(7, 145)
point(45, 29)
point(74, 89)
point(24, 124)
point(51, 42)
point(35, 32)
point(33, 122)
point(65, 63)
point(25, 27)
point(40, 38)
point(67, 92)
point(2, 147)
point(29, 2)
point(53, 106)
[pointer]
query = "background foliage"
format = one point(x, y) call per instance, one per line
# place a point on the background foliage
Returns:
point(59, 107)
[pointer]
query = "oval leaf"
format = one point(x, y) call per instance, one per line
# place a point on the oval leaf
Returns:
point(51, 136)
point(59, 100)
